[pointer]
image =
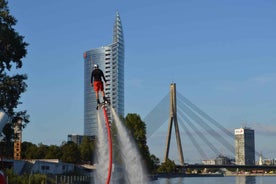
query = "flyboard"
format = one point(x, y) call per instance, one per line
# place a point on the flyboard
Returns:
point(104, 106)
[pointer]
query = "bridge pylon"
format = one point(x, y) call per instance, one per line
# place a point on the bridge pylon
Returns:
point(173, 119)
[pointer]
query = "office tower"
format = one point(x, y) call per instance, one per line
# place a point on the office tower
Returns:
point(245, 146)
point(77, 139)
point(110, 59)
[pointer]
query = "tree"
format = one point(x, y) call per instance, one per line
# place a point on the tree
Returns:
point(29, 151)
point(25, 146)
point(54, 152)
point(137, 129)
point(87, 149)
point(70, 153)
point(42, 151)
point(156, 162)
point(167, 167)
point(14, 178)
point(6, 149)
point(12, 51)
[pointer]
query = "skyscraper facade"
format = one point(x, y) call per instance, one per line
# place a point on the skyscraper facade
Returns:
point(110, 59)
point(245, 146)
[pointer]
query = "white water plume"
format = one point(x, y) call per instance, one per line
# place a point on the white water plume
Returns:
point(131, 157)
point(102, 152)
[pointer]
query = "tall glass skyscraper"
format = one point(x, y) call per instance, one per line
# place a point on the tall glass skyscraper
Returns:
point(110, 59)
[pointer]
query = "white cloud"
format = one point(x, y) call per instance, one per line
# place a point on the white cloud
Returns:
point(267, 130)
point(263, 80)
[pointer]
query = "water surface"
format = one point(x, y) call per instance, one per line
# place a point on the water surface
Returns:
point(218, 180)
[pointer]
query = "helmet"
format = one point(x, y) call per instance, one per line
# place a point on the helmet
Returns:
point(96, 66)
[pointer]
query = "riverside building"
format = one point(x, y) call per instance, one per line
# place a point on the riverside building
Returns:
point(110, 59)
point(244, 146)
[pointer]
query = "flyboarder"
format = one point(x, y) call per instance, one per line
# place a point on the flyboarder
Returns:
point(96, 81)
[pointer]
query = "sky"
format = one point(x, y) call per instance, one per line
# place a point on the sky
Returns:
point(220, 53)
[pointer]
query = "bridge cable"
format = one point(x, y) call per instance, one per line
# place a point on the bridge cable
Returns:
point(158, 116)
point(199, 133)
point(203, 114)
point(191, 137)
point(210, 119)
point(208, 128)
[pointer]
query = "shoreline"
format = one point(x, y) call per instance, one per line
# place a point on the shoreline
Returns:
point(249, 174)
point(175, 175)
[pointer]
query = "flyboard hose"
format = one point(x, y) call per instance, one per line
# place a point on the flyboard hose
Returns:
point(109, 145)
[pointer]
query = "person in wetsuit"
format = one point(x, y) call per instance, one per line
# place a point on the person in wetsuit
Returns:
point(96, 81)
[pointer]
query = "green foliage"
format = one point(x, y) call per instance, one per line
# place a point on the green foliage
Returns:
point(155, 161)
point(29, 151)
point(137, 129)
point(70, 153)
point(32, 151)
point(12, 177)
point(6, 149)
point(54, 152)
point(87, 149)
point(24, 179)
point(12, 51)
point(11, 43)
point(167, 167)
point(42, 151)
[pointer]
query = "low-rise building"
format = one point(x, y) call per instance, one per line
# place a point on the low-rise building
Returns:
point(222, 160)
point(46, 166)
point(51, 167)
point(208, 162)
point(78, 138)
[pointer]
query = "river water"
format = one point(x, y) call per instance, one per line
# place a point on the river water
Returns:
point(218, 180)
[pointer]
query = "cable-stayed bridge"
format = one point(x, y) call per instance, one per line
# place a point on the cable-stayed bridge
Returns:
point(200, 134)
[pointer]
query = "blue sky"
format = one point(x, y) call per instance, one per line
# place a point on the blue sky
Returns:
point(220, 53)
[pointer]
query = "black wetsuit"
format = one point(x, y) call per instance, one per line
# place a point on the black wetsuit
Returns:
point(97, 75)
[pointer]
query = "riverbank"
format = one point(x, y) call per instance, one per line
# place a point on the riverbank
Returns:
point(176, 175)
point(248, 174)
point(217, 180)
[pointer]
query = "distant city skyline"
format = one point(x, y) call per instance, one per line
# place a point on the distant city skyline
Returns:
point(221, 55)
